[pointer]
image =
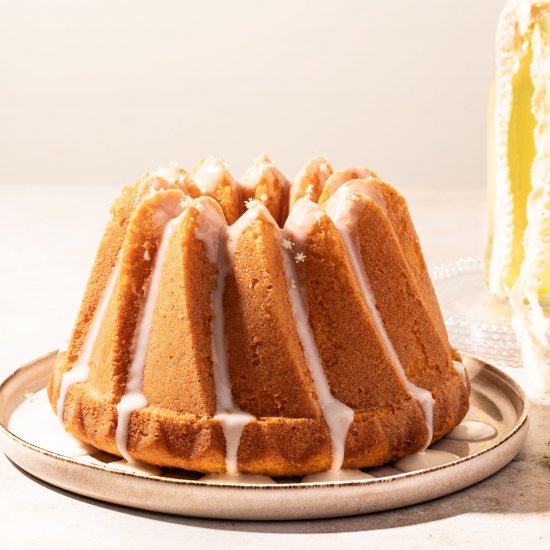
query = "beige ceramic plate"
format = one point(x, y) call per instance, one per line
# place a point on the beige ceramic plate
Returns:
point(31, 437)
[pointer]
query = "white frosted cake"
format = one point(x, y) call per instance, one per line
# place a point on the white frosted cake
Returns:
point(518, 256)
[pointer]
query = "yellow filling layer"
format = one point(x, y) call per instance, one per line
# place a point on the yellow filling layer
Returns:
point(521, 152)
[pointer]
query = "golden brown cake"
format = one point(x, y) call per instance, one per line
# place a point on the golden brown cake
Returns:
point(246, 327)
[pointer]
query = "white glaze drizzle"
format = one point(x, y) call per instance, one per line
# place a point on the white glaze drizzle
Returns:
point(29, 422)
point(424, 459)
point(343, 208)
point(339, 178)
point(339, 475)
point(261, 166)
point(210, 223)
point(231, 417)
point(337, 415)
point(136, 467)
point(234, 231)
point(255, 172)
point(317, 165)
point(222, 382)
point(209, 230)
point(247, 479)
point(133, 397)
point(81, 367)
point(460, 369)
point(208, 174)
point(367, 188)
point(233, 421)
point(473, 430)
point(318, 169)
point(170, 173)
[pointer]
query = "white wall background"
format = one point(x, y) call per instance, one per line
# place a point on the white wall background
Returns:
point(98, 92)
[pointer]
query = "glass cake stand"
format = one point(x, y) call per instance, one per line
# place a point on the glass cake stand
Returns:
point(477, 322)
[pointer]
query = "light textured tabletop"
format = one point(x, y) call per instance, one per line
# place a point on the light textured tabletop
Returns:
point(48, 237)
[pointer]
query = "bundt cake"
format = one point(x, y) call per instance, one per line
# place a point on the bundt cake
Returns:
point(296, 335)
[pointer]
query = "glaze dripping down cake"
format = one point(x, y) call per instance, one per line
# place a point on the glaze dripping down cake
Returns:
point(259, 326)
